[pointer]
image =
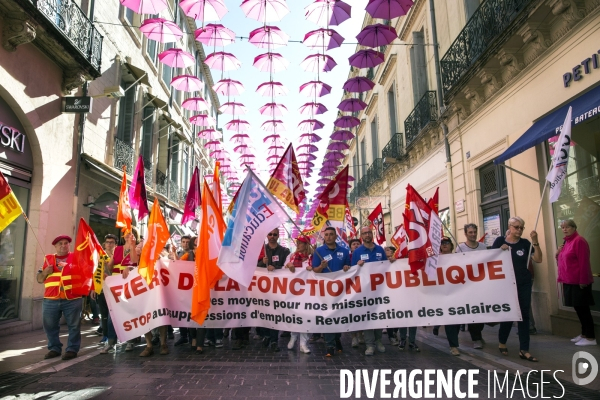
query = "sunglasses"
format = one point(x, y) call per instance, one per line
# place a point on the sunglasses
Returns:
point(273, 234)
point(518, 227)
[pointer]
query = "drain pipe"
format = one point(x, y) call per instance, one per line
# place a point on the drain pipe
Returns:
point(441, 109)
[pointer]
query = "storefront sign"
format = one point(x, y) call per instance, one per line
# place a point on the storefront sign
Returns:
point(10, 137)
point(80, 105)
point(584, 68)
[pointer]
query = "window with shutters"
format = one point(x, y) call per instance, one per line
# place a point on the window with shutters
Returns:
point(492, 180)
point(185, 167)
point(175, 154)
point(418, 65)
point(374, 139)
point(494, 201)
point(167, 72)
point(147, 135)
point(363, 157)
point(392, 111)
point(126, 114)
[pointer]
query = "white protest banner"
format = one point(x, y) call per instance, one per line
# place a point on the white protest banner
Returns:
point(473, 287)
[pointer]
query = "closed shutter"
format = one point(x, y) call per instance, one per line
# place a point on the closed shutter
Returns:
point(126, 114)
point(147, 133)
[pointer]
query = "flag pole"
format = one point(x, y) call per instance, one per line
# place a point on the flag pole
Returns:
point(537, 218)
point(33, 231)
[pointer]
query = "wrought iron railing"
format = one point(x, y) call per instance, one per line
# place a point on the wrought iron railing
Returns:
point(182, 196)
point(588, 187)
point(68, 18)
point(173, 191)
point(148, 175)
point(161, 183)
point(375, 171)
point(123, 156)
point(487, 23)
point(424, 112)
point(352, 197)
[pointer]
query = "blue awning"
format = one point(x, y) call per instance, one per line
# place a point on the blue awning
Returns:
point(584, 107)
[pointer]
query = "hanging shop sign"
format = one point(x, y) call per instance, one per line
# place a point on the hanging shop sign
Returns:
point(79, 104)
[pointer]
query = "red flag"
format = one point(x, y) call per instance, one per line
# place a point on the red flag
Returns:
point(286, 181)
point(332, 202)
point(192, 200)
point(416, 220)
point(378, 222)
point(349, 222)
point(400, 242)
point(124, 211)
point(138, 199)
point(434, 202)
point(482, 239)
point(88, 251)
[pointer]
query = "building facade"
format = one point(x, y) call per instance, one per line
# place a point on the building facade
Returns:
point(66, 166)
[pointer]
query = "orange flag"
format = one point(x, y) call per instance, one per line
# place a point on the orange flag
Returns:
point(207, 273)
point(124, 211)
point(86, 256)
point(158, 235)
point(216, 190)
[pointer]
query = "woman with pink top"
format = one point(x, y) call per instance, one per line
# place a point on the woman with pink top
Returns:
point(575, 274)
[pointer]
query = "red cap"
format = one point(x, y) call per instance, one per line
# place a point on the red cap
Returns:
point(303, 239)
point(62, 237)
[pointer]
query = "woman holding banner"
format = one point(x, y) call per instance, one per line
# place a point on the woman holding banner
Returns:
point(520, 250)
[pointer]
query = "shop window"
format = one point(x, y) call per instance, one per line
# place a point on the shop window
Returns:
point(494, 201)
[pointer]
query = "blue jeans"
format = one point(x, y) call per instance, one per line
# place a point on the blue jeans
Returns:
point(524, 294)
point(412, 333)
point(452, 334)
point(52, 310)
point(330, 338)
point(110, 329)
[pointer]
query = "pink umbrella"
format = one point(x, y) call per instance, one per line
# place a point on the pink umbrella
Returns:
point(275, 142)
point(195, 104)
point(366, 58)
point(315, 88)
point(210, 134)
point(331, 163)
point(176, 58)
point(352, 105)
point(145, 6)
point(222, 61)
point(346, 121)
point(273, 137)
point(268, 37)
point(388, 9)
point(217, 153)
point(265, 10)
point(270, 62)
point(324, 181)
point(229, 87)
point(342, 135)
point(273, 126)
point(273, 110)
point(187, 83)
point(310, 138)
point(305, 164)
point(334, 155)
point(204, 10)
point(233, 108)
point(237, 125)
point(328, 12)
point(161, 30)
point(215, 35)
point(311, 148)
point(338, 146)
point(308, 125)
point(247, 157)
point(213, 145)
point(271, 89)
point(241, 138)
point(241, 148)
point(351, 178)
point(323, 38)
point(274, 148)
point(306, 156)
point(313, 108)
point(275, 158)
point(203, 120)
point(358, 84)
point(318, 63)
point(376, 35)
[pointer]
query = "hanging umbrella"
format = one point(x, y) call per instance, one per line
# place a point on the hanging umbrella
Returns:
point(229, 87)
point(273, 126)
point(315, 88)
point(308, 125)
point(311, 148)
point(161, 30)
point(334, 155)
point(265, 10)
point(327, 12)
point(305, 164)
point(376, 35)
point(274, 148)
point(358, 84)
point(388, 9)
point(323, 38)
point(217, 153)
point(187, 83)
point(215, 35)
point(352, 105)
point(145, 6)
point(334, 163)
point(313, 108)
point(195, 104)
point(176, 58)
point(213, 145)
point(270, 62)
point(318, 63)
point(366, 58)
point(274, 136)
point(237, 125)
point(274, 158)
point(338, 146)
point(222, 61)
point(324, 181)
point(203, 120)
point(271, 89)
point(273, 110)
point(242, 149)
point(210, 134)
point(241, 138)
point(346, 121)
point(268, 37)
point(342, 135)
point(306, 156)
point(233, 108)
point(310, 138)
point(204, 10)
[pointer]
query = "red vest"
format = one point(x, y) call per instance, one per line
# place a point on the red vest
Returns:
point(58, 280)
point(120, 262)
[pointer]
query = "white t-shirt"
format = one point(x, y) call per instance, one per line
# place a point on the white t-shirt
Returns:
point(464, 248)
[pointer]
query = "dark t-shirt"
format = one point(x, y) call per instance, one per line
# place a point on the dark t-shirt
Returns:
point(518, 252)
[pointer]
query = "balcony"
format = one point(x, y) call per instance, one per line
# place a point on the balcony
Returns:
point(375, 172)
point(123, 156)
point(424, 112)
point(487, 24)
point(393, 151)
point(182, 196)
point(148, 168)
point(352, 197)
point(173, 191)
point(161, 183)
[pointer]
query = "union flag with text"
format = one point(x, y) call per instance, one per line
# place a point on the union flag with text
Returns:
point(86, 258)
point(332, 203)
point(286, 181)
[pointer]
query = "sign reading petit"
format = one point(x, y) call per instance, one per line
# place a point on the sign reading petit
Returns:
point(79, 105)
point(585, 67)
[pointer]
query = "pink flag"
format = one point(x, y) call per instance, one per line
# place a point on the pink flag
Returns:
point(193, 200)
point(137, 191)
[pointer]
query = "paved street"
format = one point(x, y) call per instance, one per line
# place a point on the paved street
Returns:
point(254, 373)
